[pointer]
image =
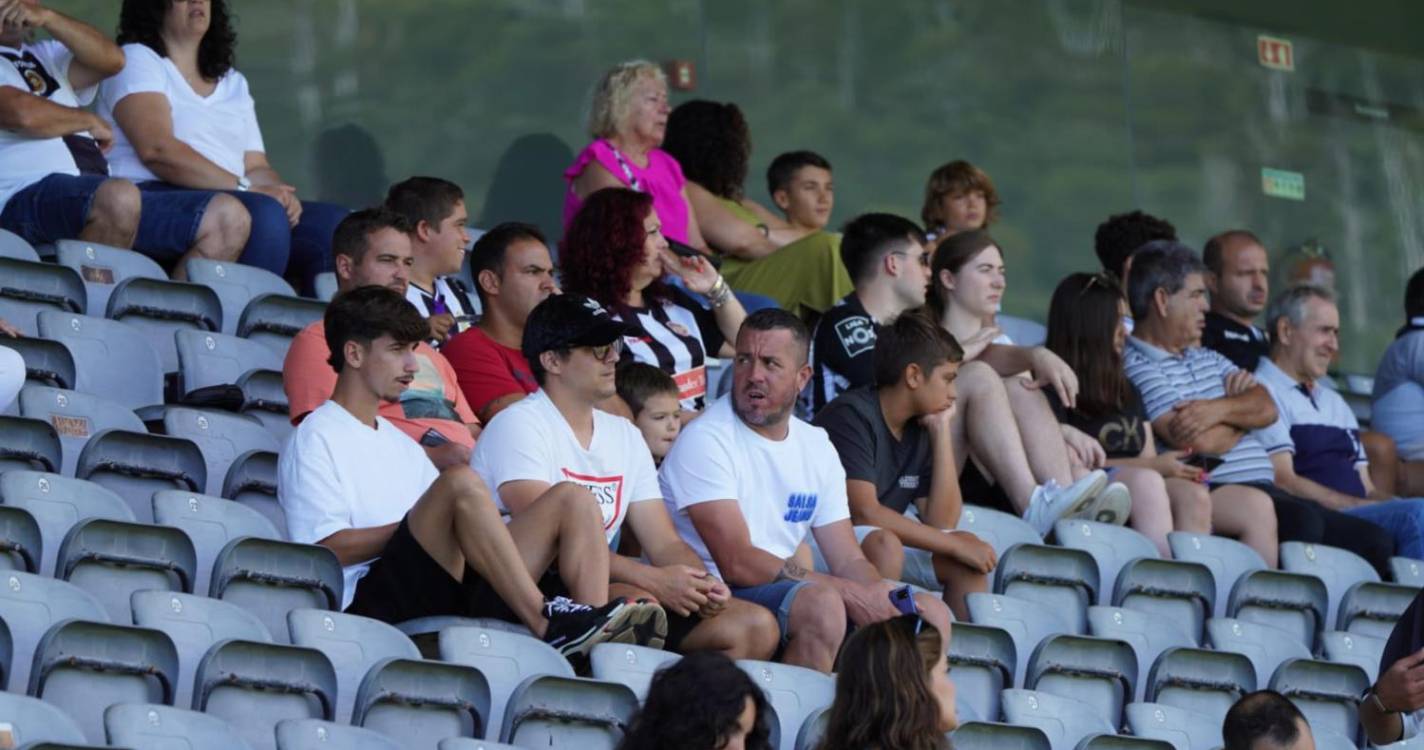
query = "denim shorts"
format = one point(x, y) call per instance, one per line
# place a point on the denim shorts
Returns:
point(55, 208)
point(168, 226)
point(777, 597)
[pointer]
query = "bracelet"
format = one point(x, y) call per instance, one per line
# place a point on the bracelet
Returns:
point(719, 293)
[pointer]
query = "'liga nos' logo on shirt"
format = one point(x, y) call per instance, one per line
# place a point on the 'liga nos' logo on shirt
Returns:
point(857, 335)
point(800, 507)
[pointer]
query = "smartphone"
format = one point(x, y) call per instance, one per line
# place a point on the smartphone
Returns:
point(684, 250)
point(1203, 461)
point(433, 439)
point(904, 600)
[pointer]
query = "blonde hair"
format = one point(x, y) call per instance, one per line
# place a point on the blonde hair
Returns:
point(614, 93)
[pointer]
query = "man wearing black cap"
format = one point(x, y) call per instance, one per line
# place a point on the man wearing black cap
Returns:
point(555, 442)
point(416, 542)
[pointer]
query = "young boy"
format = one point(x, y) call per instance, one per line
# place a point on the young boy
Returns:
point(800, 185)
point(652, 395)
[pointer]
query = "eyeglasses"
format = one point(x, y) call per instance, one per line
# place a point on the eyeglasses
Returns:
point(602, 351)
point(924, 257)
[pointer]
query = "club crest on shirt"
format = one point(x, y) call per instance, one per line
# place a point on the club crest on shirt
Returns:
point(41, 83)
point(857, 335)
point(606, 491)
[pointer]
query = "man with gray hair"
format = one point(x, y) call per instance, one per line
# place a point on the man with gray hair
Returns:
point(1198, 400)
point(1325, 461)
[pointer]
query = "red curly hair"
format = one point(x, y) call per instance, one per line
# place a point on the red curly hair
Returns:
point(603, 244)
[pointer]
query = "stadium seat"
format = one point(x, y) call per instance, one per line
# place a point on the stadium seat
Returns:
point(1185, 730)
point(1363, 651)
point(111, 359)
point(1100, 672)
point(47, 362)
point(1372, 608)
point(252, 481)
point(1121, 742)
point(1328, 740)
point(29, 444)
point(84, 667)
point(113, 559)
point(813, 729)
point(273, 320)
point(1338, 568)
point(1407, 570)
point(1327, 693)
point(1181, 591)
point(14, 246)
point(208, 359)
point(265, 400)
point(1027, 622)
point(353, 644)
point(271, 578)
point(325, 285)
point(1112, 547)
point(236, 285)
point(988, 735)
point(102, 267)
point(418, 703)
point(210, 522)
point(1147, 633)
point(20, 543)
point(424, 632)
point(58, 503)
point(220, 436)
point(77, 417)
point(631, 665)
point(1200, 680)
point(505, 659)
point(1227, 559)
point(33, 721)
point(466, 743)
point(194, 624)
point(1289, 601)
point(1064, 721)
point(794, 692)
point(315, 734)
point(1265, 646)
point(998, 529)
point(255, 686)
point(1065, 580)
point(136, 464)
point(28, 287)
point(159, 308)
point(151, 725)
point(555, 711)
point(982, 663)
point(1023, 331)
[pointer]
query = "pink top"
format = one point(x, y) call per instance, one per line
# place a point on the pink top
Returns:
point(662, 179)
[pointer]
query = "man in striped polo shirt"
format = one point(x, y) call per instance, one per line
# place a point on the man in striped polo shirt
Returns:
point(1198, 399)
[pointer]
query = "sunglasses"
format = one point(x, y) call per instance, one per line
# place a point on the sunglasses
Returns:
point(602, 351)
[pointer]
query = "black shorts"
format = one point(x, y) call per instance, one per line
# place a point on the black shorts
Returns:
point(405, 582)
point(978, 489)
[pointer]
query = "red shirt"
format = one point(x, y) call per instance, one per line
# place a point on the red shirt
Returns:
point(487, 370)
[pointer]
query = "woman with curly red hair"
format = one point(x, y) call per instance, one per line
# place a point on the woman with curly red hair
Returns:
point(614, 252)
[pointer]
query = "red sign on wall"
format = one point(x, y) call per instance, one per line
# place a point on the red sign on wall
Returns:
point(1275, 53)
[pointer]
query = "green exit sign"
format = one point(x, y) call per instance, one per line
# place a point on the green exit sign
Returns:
point(1279, 183)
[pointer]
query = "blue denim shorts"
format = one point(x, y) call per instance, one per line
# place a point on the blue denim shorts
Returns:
point(777, 597)
point(168, 226)
point(54, 208)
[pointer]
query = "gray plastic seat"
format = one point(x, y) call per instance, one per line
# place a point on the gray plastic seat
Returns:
point(252, 481)
point(353, 644)
point(29, 444)
point(315, 734)
point(76, 417)
point(47, 362)
point(28, 287)
point(271, 578)
point(1372, 608)
point(21, 546)
point(1290, 601)
point(152, 725)
point(14, 246)
point(1112, 547)
point(1064, 721)
point(998, 529)
point(158, 308)
point(1065, 580)
point(207, 359)
point(424, 632)
point(631, 665)
point(1121, 742)
point(111, 359)
point(273, 320)
point(29, 606)
point(137, 464)
point(33, 721)
point(1027, 622)
point(1100, 672)
point(505, 659)
point(989, 735)
point(325, 283)
point(1265, 646)
point(1185, 730)
point(102, 267)
point(1407, 570)
point(1200, 680)
point(1227, 559)
point(84, 667)
point(222, 438)
point(57, 504)
point(982, 661)
point(1178, 590)
point(1326, 692)
point(194, 624)
point(813, 729)
point(1147, 633)
point(265, 400)
point(255, 686)
point(210, 522)
point(236, 285)
point(1363, 651)
point(113, 559)
point(466, 743)
point(1338, 568)
point(556, 711)
point(418, 702)
point(794, 692)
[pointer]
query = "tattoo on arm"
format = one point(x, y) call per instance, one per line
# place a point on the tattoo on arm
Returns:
point(792, 571)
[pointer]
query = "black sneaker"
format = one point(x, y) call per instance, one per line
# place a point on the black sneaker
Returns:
point(575, 628)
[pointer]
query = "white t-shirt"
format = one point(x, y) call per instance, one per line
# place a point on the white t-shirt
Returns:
point(41, 69)
point(785, 488)
point(221, 126)
point(532, 440)
point(336, 473)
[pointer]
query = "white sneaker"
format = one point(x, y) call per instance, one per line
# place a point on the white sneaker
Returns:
point(1050, 502)
point(1111, 506)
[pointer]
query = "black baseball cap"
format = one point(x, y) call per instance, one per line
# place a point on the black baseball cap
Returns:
point(563, 321)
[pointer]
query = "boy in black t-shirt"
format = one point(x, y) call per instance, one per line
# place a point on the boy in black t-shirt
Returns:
point(894, 441)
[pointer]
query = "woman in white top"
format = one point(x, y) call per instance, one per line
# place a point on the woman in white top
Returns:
point(184, 119)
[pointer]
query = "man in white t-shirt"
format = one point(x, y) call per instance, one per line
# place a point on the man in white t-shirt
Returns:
point(415, 542)
point(747, 481)
point(436, 211)
point(557, 442)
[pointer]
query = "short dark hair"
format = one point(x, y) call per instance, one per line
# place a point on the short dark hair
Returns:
point(777, 319)
point(958, 176)
point(1162, 264)
point(911, 339)
point(488, 251)
point(640, 381)
point(1414, 295)
point(1264, 714)
point(868, 237)
point(367, 313)
point(1122, 234)
point(427, 199)
point(1215, 249)
point(352, 234)
point(783, 168)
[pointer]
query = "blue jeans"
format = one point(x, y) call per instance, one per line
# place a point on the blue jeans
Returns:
point(1404, 517)
point(57, 208)
point(777, 597)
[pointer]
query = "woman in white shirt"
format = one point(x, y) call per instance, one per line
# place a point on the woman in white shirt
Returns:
point(184, 119)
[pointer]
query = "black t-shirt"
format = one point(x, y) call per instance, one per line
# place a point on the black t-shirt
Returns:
point(899, 469)
point(1122, 435)
point(1243, 345)
point(842, 351)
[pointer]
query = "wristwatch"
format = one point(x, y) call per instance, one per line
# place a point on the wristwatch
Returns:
point(1373, 698)
point(243, 183)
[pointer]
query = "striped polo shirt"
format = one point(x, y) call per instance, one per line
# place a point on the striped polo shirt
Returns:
point(1323, 430)
point(1165, 380)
